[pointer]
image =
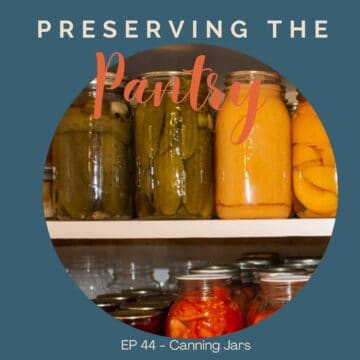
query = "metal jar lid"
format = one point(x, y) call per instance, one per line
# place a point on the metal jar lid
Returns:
point(302, 261)
point(129, 315)
point(276, 271)
point(273, 257)
point(146, 305)
point(233, 271)
point(115, 297)
point(253, 264)
point(284, 278)
point(163, 75)
point(139, 293)
point(106, 305)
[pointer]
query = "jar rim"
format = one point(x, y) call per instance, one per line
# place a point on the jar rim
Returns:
point(135, 314)
point(284, 278)
point(204, 277)
point(248, 76)
point(109, 79)
point(163, 74)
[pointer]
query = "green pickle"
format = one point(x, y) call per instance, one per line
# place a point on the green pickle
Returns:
point(93, 160)
point(174, 157)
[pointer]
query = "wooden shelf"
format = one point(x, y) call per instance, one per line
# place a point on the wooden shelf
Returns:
point(168, 229)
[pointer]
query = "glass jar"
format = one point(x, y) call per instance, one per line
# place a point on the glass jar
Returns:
point(90, 275)
point(178, 268)
point(299, 262)
point(258, 298)
point(236, 289)
point(133, 276)
point(204, 308)
point(49, 212)
point(174, 155)
point(276, 292)
point(93, 159)
point(315, 180)
point(149, 321)
point(253, 178)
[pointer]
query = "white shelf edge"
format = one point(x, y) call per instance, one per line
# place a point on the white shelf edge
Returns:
point(171, 229)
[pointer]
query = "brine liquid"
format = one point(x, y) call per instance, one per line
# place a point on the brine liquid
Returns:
point(93, 175)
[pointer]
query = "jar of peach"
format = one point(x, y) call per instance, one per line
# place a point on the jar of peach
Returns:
point(314, 169)
point(253, 177)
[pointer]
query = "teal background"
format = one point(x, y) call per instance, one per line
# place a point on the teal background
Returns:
point(43, 314)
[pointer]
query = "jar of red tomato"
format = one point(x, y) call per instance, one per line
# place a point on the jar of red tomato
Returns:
point(236, 289)
point(204, 308)
point(277, 291)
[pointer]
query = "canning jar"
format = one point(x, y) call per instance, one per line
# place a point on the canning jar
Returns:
point(149, 321)
point(276, 292)
point(174, 154)
point(133, 276)
point(90, 275)
point(299, 262)
point(47, 192)
point(204, 308)
point(236, 289)
point(314, 170)
point(257, 299)
point(93, 158)
point(253, 177)
point(178, 268)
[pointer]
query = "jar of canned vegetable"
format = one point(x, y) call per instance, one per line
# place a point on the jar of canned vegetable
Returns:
point(93, 158)
point(174, 154)
point(204, 308)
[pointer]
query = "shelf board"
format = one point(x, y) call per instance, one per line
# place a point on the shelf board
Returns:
point(167, 229)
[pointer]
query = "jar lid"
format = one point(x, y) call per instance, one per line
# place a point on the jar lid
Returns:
point(147, 304)
point(276, 271)
point(217, 269)
point(115, 297)
point(304, 261)
point(109, 79)
point(106, 304)
point(134, 314)
point(274, 257)
point(287, 278)
point(204, 277)
point(140, 292)
point(253, 263)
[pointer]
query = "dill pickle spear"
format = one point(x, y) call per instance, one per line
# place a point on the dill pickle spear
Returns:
point(168, 168)
point(198, 198)
point(189, 131)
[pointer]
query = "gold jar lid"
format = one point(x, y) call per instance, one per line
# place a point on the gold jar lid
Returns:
point(248, 76)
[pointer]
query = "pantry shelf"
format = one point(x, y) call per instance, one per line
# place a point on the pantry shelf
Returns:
point(167, 229)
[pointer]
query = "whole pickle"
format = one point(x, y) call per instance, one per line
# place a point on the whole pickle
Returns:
point(189, 131)
point(168, 182)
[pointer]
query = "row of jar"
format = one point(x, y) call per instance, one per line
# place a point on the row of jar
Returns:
point(170, 161)
point(243, 293)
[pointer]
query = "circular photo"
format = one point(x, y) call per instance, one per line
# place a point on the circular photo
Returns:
point(190, 191)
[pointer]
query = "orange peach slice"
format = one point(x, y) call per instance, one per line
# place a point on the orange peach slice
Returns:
point(327, 156)
point(323, 177)
point(303, 153)
point(312, 197)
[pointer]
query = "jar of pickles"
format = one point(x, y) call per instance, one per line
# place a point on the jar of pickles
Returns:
point(93, 158)
point(174, 154)
point(276, 292)
point(236, 289)
point(314, 170)
point(253, 177)
point(204, 308)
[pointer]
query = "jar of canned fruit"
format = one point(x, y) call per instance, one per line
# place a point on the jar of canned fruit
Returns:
point(93, 158)
point(253, 177)
point(204, 308)
point(174, 154)
point(314, 170)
